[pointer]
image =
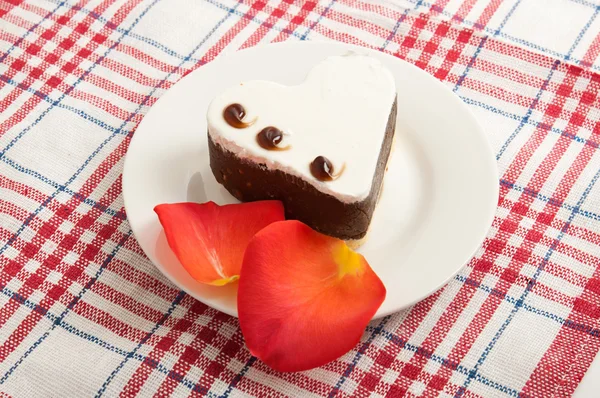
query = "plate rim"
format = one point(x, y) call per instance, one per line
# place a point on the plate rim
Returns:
point(492, 163)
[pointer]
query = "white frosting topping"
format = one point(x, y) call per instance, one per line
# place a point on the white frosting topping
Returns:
point(340, 112)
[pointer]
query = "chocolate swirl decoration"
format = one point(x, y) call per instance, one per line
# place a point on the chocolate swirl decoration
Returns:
point(269, 138)
point(234, 115)
point(322, 169)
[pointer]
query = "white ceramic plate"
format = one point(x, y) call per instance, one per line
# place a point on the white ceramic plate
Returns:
point(440, 191)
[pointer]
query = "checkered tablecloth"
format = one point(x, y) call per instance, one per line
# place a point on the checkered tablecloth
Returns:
point(83, 312)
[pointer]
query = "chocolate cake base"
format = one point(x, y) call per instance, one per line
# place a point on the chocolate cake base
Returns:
point(249, 181)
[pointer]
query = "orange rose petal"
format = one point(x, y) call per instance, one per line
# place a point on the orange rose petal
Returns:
point(304, 298)
point(209, 240)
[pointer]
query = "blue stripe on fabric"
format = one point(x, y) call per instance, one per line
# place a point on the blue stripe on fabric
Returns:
point(69, 307)
point(503, 35)
point(96, 151)
point(50, 198)
point(528, 121)
point(585, 3)
point(363, 348)
point(86, 336)
point(551, 201)
point(78, 81)
point(215, 3)
point(319, 19)
point(397, 25)
point(255, 19)
point(580, 327)
point(482, 43)
point(27, 303)
point(143, 341)
point(263, 22)
point(46, 98)
point(238, 377)
point(427, 354)
point(133, 35)
point(22, 38)
point(525, 119)
point(521, 299)
point(105, 209)
point(538, 96)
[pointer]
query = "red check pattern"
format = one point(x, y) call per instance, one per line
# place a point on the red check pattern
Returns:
point(84, 313)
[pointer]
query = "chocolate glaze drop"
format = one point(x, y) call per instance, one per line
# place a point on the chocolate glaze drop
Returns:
point(322, 169)
point(234, 116)
point(269, 138)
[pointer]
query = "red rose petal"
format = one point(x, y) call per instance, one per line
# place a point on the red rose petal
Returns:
point(304, 298)
point(209, 240)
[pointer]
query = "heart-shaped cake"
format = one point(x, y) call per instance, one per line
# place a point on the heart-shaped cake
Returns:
point(320, 147)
